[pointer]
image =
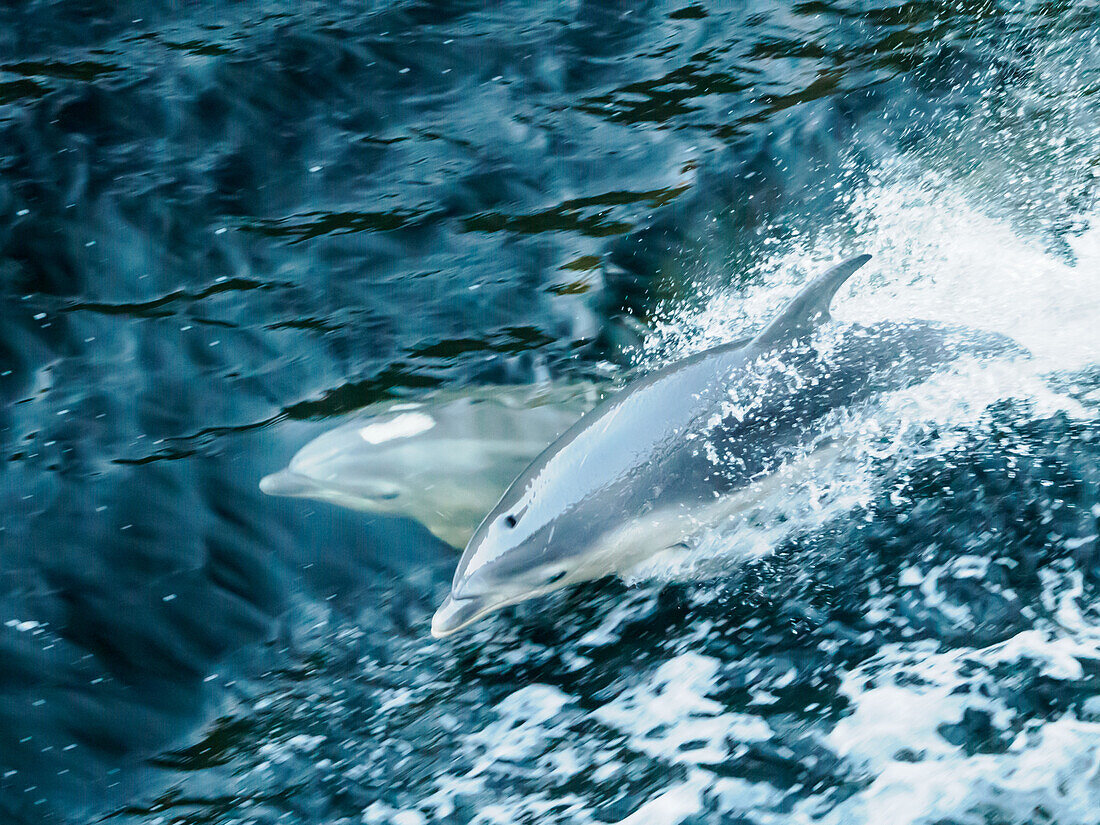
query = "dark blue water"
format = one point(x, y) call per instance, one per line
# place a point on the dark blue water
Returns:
point(224, 226)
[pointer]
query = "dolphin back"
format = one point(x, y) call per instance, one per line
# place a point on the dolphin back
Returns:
point(810, 307)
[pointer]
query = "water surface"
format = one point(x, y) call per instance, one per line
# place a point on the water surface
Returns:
point(224, 227)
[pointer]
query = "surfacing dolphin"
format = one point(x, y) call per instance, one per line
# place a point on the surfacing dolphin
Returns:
point(443, 460)
point(662, 460)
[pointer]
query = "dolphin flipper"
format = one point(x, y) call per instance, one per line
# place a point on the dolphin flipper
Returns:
point(810, 307)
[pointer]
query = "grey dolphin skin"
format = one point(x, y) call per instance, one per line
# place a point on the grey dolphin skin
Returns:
point(658, 461)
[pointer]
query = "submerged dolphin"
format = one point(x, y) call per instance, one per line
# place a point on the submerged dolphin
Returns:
point(662, 459)
point(443, 461)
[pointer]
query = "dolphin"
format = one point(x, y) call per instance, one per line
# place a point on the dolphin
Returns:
point(664, 458)
point(444, 460)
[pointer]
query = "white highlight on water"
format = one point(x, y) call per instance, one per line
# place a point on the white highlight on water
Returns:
point(405, 425)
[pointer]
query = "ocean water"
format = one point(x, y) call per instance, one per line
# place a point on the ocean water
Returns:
point(225, 227)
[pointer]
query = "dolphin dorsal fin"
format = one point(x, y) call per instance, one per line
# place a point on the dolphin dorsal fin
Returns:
point(810, 307)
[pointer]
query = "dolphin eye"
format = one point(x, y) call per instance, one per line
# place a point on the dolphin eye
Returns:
point(509, 520)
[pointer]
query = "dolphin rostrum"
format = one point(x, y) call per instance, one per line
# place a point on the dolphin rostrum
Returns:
point(659, 461)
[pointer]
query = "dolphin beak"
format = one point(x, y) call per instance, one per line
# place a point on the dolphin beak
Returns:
point(286, 483)
point(455, 614)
